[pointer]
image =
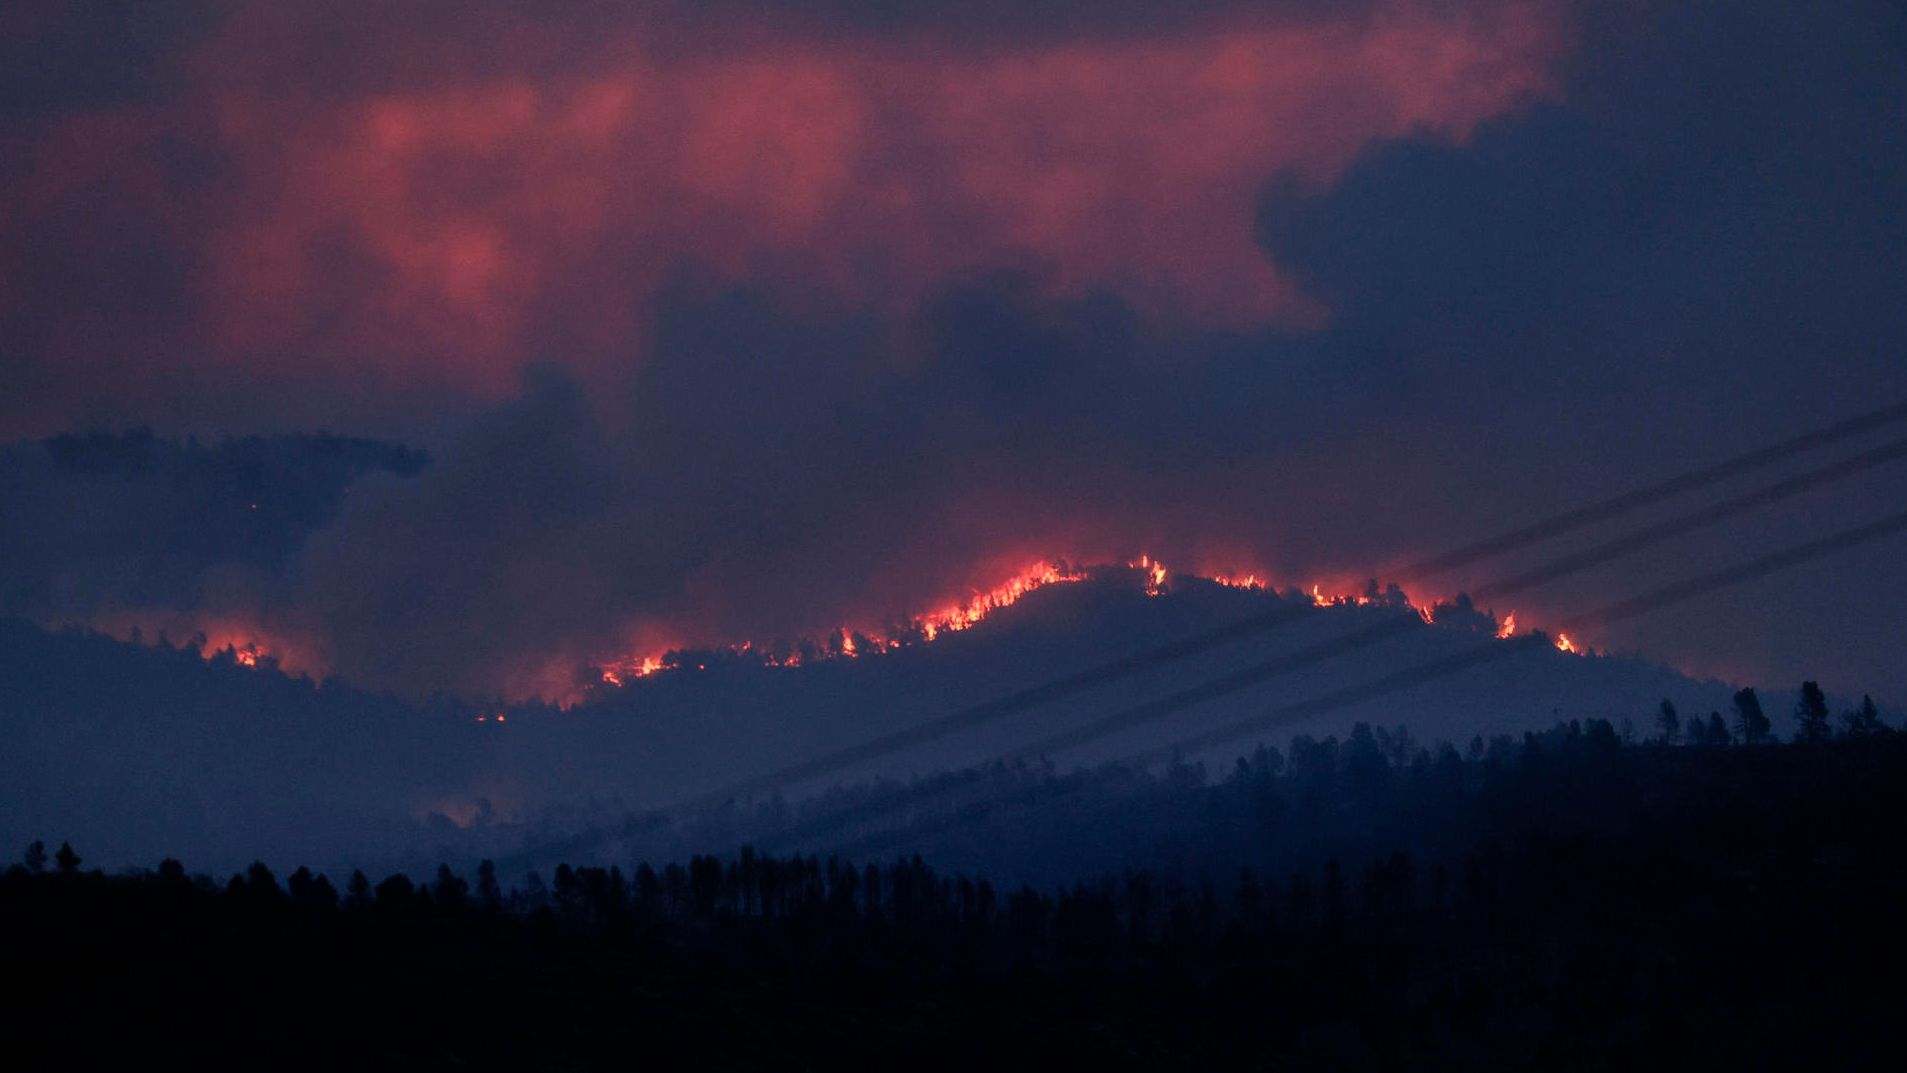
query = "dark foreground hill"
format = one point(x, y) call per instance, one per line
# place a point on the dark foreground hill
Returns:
point(1569, 903)
point(137, 752)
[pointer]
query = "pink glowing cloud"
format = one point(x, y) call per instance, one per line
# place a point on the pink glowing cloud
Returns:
point(441, 211)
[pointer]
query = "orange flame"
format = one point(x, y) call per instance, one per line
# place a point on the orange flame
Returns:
point(1364, 597)
point(243, 642)
point(928, 626)
point(641, 667)
point(1155, 574)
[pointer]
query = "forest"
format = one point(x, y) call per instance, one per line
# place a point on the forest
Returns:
point(1705, 895)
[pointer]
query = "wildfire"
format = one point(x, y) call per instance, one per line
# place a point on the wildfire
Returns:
point(1154, 571)
point(638, 668)
point(951, 618)
point(1366, 597)
point(960, 616)
point(245, 646)
point(242, 640)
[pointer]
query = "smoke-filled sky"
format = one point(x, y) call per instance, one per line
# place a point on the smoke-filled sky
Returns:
point(734, 319)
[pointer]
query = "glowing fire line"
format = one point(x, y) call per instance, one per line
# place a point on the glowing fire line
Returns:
point(1153, 576)
point(848, 643)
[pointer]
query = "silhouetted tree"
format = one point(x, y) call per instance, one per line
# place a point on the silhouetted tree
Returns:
point(35, 857)
point(451, 889)
point(1363, 761)
point(298, 884)
point(675, 887)
point(871, 892)
point(396, 892)
point(1751, 725)
point(1334, 900)
point(564, 885)
point(746, 879)
point(615, 895)
point(648, 889)
point(1717, 730)
point(489, 893)
point(311, 891)
point(260, 882)
point(1669, 721)
point(1812, 713)
point(1864, 721)
point(705, 884)
point(535, 895)
point(67, 860)
point(357, 890)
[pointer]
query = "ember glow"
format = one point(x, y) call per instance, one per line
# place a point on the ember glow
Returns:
point(866, 169)
point(1155, 574)
point(849, 643)
point(254, 646)
point(568, 674)
point(638, 668)
point(224, 636)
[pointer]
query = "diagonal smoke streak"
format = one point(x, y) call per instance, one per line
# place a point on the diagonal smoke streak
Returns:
point(1666, 596)
point(1615, 507)
point(1551, 571)
point(1422, 673)
point(1688, 523)
point(1025, 699)
point(1223, 686)
point(1729, 577)
point(1010, 704)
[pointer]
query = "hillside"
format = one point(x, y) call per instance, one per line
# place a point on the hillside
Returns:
point(100, 736)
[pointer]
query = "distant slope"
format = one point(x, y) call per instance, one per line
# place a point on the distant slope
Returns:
point(137, 751)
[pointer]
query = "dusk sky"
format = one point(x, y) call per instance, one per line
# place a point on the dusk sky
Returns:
point(732, 320)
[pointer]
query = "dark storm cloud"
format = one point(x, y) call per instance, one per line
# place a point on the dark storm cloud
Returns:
point(685, 24)
point(60, 56)
point(1731, 178)
point(1699, 248)
point(1022, 19)
point(1716, 212)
